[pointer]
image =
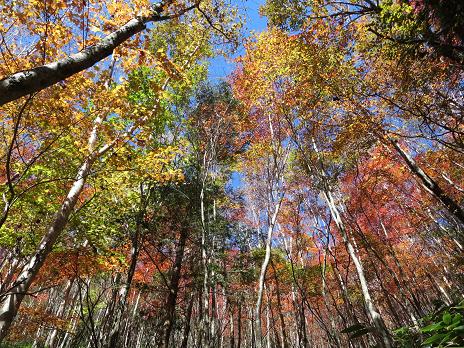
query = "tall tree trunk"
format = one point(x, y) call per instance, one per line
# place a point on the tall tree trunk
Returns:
point(381, 258)
point(334, 332)
point(174, 287)
point(212, 328)
point(374, 314)
point(262, 275)
point(430, 185)
point(304, 343)
point(188, 317)
point(279, 308)
point(123, 295)
point(239, 325)
point(131, 322)
point(50, 342)
point(371, 308)
point(204, 319)
point(21, 286)
point(232, 329)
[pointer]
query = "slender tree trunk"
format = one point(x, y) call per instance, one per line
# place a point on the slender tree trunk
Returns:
point(439, 289)
point(430, 185)
point(213, 321)
point(405, 279)
point(12, 269)
point(302, 327)
point(68, 313)
point(374, 314)
point(131, 323)
point(174, 286)
point(21, 286)
point(232, 329)
point(123, 295)
point(372, 310)
point(279, 308)
point(251, 336)
point(262, 275)
point(186, 333)
point(381, 259)
point(204, 323)
point(50, 342)
point(268, 324)
point(335, 334)
point(239, 325)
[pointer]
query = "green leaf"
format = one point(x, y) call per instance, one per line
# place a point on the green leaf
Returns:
point(434, 338)
point(353, 328)
point(445, 339)
point(360, 333)
point(457, 318)
point(447, 318)
point(459, 306)
point(432, 327)
point(452, 326)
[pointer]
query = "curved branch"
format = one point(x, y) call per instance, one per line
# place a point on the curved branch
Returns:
point(33, 80)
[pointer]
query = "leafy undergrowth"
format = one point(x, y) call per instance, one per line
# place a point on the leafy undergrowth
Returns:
point(442, 328)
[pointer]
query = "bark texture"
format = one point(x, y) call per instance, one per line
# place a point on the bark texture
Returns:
point(34, 80)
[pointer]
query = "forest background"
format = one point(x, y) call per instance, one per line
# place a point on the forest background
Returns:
point(190, 174)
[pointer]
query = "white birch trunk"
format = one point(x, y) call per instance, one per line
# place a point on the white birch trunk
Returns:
point(20, 288)
point(262, 275)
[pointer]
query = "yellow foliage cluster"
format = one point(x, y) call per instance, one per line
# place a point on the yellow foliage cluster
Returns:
point(157, 165)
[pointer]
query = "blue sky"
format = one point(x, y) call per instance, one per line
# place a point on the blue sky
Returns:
point(221, 67)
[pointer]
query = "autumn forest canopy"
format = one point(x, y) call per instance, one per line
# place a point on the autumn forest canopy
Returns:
point(310, 197)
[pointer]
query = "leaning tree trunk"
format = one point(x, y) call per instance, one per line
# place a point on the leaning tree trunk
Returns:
point(374, 314)
point(429, 184)
point(371, 308)
point(33, 80)
point(121, 304)
point(21, 286)
point(12, 300)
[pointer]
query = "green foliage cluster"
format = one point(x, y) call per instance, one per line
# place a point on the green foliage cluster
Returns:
point(16, 345)
point(443, 328)
point(287, 14)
